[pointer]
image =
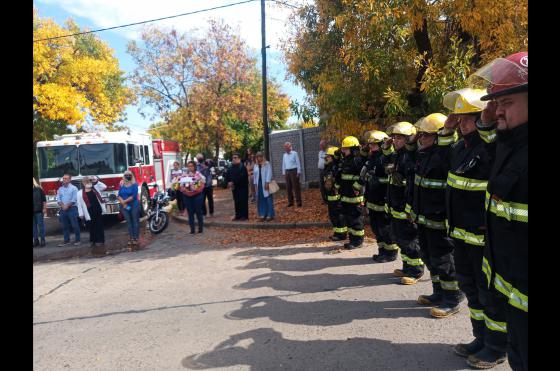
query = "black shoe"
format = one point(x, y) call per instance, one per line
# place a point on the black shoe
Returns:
point(199, 230)
point(290, 205)
point(192, 231)
point(466, 349)
point(486, 358)
point(299, 205)
point(433, 299)
point(36, 242)
point(43, 243)
point(352, 246)
point(375, 257)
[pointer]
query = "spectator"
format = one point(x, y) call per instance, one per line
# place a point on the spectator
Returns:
point(66, 198)
point(249, 162)
point(192, 187)
point(237, 180)
point(209, 189)
point(39, 210)
point(176, 174)
point(291, 169)
point(130, 207)
point(262, 179)
point(321, 166)
point(207, 193)
point(91, 208)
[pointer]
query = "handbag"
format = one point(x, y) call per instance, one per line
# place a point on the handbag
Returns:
point(273, 187)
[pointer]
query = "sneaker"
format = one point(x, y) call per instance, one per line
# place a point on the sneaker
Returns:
point(486, 358)
point(77, 243)
point(269, 219)
point(65, 243)
point(466, 349)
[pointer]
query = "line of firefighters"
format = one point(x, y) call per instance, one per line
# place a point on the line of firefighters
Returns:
point(455, 201)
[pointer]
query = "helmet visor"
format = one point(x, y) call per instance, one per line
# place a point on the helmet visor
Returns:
point(498, 75)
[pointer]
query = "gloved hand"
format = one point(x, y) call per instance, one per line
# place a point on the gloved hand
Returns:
point(398, 178)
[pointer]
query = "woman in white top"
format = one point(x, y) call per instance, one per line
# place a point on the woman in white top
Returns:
point(262, 176)
point(91, 208)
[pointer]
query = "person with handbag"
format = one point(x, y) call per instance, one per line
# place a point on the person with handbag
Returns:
point(262, 178)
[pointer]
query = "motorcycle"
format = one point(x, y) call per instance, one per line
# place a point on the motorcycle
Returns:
point(158, 217)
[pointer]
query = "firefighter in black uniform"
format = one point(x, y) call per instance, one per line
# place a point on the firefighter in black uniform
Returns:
point(333, 196)
point(351, 191)
point(470, 161)
point(429, 213)
point(507, 202)
point(376, 193)
point(400, 170)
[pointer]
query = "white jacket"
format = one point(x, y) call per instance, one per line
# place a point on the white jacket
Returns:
point(266, 174)
point(82, 207)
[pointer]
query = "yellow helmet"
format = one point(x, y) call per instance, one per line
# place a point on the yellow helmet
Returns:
point(465, 101)
point(331, 151)
point(350, 141)
point(403, 128)
point(376, 136)
point(431, 123)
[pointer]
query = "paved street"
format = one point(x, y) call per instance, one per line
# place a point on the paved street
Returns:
point(186, 302)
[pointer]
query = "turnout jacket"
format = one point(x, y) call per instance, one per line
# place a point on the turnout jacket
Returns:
point(505, 261)
point(400, 170)
point(470, 162)
point(351, 186)
point(331, 174)
point(376, 181)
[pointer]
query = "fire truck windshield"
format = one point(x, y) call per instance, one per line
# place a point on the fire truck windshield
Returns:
point(87, 159)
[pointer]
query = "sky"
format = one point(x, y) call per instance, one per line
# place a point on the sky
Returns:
point(95, 14)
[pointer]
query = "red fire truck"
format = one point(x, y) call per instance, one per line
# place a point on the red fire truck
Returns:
point(107, 155)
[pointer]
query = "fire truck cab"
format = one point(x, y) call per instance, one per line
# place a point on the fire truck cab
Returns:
point(106, 155)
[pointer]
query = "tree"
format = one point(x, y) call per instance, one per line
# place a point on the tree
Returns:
point(206, 89)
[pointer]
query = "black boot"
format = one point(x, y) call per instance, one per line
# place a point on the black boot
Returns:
point(35, 242)
point(486, 358)
point(389, 256)
point(433, 299)
point(192, 230)
point(449, 305)
point(43, 243)
point(199, 229)
point(465, 350)
point(352, 245)
point(337, 238)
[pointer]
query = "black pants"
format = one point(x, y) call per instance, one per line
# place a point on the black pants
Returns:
point(381, 226)
point(337, 219)
point(468, 267)
point(241, 201)
point(322, 184)
point(406, 235)
point(436, 250)
point(95, 226)
point(518, 338)
point(180, 200)
point(208, 195)
point(194, 208)
point(354, 219)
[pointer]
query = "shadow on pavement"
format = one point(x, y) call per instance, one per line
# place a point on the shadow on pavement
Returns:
point(312, 283)
point(266, 349)
point(305, 265)
point(325, 312)
point(263, 251)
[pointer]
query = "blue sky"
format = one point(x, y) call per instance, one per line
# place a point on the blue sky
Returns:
point(95, 14)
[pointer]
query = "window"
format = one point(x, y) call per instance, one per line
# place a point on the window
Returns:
point(133, 154)
point(96, 159)
point(146, 155)
point(54, 162)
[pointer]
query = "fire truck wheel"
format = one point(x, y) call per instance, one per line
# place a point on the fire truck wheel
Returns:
point(144, 201)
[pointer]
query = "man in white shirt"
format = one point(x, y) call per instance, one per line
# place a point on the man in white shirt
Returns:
point(321, 166)
point(291, 169)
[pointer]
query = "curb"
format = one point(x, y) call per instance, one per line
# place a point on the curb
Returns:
point(266, 225)
point(57, 253)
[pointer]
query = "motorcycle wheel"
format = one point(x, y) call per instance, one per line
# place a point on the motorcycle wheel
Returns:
point(159, 226)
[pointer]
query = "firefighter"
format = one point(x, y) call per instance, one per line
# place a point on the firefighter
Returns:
point(400, 169)
point(429, 213)
point(351, 191)
point(506, 203)
point(470, 161)
point(333, 196)
point(376, 191)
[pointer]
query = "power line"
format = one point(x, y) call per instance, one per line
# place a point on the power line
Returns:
point(148, 21)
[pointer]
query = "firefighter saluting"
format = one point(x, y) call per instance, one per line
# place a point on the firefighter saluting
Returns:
point(351, 191)
point(331, 174)
point(470, 161)
point(506, 249)
point(429, 212)
point(376, 191)
point(400, 169)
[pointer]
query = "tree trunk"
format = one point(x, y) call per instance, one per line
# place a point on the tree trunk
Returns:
point(424, 47)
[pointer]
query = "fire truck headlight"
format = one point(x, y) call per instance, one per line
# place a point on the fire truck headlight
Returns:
point(51, 198)
point(112, 197)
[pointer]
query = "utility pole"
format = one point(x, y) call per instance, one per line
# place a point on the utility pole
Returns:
point(264, 89)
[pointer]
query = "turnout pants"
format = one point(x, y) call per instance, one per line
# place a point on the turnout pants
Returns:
point(406, 235)
point(381, 226)
point(518, 338)
point(337, 219)
point(436, 250)
point(487, 312)
point(354, 219)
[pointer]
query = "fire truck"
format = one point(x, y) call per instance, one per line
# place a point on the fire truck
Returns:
point(106, 155)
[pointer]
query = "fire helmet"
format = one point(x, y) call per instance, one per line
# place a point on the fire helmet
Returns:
point(376, 136)
point(331, 151)
point(403, 128)
point(350, 141)
point(431, 123)
point(464, 101)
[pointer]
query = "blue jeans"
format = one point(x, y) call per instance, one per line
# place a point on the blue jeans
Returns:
point(194, 207)
point(132, 217)
point(69, 218)
point(265, 205)
point(38, 226)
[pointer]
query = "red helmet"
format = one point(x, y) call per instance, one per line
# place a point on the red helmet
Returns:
point(503, 76)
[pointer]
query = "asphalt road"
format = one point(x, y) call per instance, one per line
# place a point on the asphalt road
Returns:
point(186, 302)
